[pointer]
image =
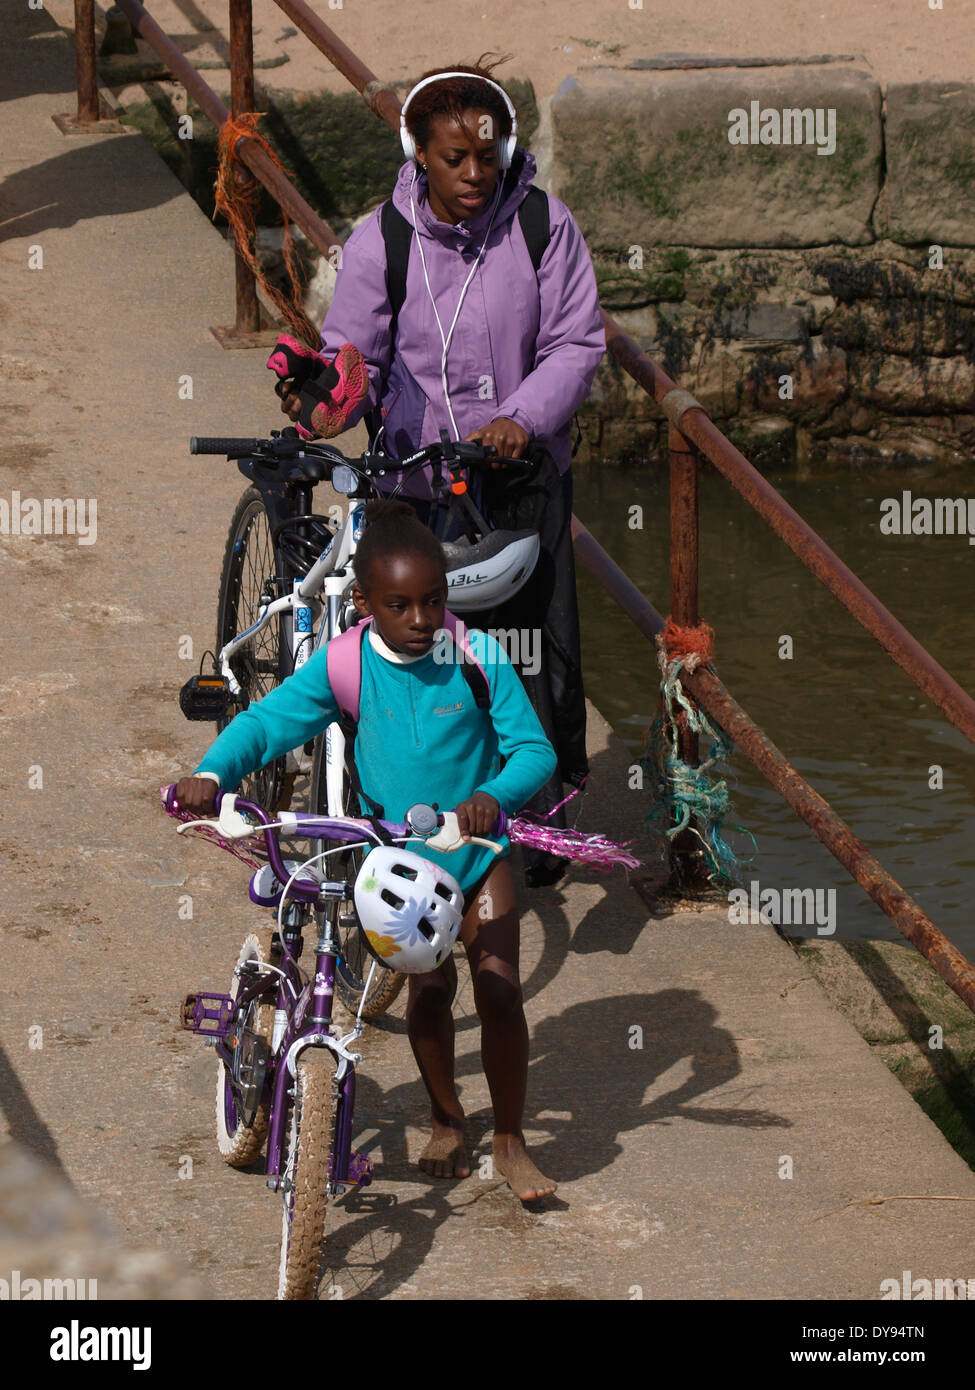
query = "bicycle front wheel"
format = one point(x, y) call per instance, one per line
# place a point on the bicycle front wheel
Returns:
point(251, 576)
point(305, 1193)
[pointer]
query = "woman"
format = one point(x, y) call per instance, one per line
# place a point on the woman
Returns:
point(483, 345)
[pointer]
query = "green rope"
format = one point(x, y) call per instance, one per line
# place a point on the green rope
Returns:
point(684, 794)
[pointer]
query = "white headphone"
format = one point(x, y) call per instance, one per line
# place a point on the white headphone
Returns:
point(506, 148)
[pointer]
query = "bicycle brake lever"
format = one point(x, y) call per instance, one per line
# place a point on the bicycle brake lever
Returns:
point(449, 838)
point(230, 822)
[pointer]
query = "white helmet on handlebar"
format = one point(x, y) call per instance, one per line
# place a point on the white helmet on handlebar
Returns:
point(409, 909)
point(490, 570)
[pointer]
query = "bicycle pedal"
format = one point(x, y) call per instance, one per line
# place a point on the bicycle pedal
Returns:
point(360, 1169)
point(209, 1014)
point(205, 698)
point(358, 1173)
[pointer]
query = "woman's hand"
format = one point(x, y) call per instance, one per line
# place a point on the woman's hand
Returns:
point(477, 815)
point(507, 437)
point(291, 404)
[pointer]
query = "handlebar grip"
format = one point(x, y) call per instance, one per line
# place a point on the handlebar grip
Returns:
point(218, 444)
point(499, 827)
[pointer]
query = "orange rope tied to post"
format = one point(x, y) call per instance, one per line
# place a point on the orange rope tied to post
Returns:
point(238, 202)
point(694, 644)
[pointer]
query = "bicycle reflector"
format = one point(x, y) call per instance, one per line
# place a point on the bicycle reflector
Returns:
point(205, 697)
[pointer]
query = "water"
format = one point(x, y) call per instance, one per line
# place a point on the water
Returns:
point(847, 717)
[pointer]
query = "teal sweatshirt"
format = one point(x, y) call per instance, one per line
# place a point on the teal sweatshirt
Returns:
point(421, 738)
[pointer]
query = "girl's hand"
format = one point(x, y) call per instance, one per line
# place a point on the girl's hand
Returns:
point(198, 795)
point(507, 437)
point(477, 815)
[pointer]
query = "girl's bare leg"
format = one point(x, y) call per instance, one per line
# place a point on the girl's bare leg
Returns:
point(430, 1025)
point(491, 935)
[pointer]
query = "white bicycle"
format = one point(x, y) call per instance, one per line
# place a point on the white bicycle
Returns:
point(285, 590)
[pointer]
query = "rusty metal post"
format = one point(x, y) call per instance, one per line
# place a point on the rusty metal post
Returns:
point(683, 548)
point(687, 865)
point(248, 318)
point(84, 50)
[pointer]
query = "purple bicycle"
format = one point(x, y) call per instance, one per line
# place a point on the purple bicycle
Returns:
point(284, 1076)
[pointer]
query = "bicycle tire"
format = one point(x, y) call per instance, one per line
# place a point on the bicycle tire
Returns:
point(311, 1124)
point(250, 565)
point(352, 966)
point(239, 1145)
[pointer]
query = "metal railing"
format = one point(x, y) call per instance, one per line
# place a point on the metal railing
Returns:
point(691, 433)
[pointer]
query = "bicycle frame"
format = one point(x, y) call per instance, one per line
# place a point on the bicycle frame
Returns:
point(328, 577)
point(327, 580)
point(303, 1018)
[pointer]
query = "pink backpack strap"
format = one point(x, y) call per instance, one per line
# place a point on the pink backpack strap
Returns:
point(343, 663)
point(480, 686)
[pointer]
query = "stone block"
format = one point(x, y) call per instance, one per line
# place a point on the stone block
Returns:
point(930, 148)
point(905, 327)
point(935, 385)
point(646, 159)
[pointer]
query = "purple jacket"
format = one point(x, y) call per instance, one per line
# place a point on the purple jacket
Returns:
point(525, 346)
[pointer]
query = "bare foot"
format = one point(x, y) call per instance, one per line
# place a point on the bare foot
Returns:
point(512, 1161)
point(445, 1156)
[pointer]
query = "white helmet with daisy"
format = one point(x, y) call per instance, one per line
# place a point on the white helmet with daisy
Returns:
point(409, 908)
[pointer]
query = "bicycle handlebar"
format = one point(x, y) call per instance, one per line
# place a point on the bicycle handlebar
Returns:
point(320, 828)
point(288, 444)
point(221, 444)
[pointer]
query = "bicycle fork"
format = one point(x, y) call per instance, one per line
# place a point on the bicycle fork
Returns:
point(310, 1026)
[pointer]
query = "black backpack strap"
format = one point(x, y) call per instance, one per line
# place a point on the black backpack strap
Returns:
point(397, 234)
point(477, 681)
point(533, 216)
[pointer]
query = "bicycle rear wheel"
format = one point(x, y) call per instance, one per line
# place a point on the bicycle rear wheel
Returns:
point(352, 966)
point(309, 1140)
point(251, 576)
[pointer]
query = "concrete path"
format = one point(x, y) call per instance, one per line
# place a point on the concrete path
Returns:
point(670, 1155)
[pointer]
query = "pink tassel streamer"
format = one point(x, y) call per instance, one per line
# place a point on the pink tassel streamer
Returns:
point(595, 850)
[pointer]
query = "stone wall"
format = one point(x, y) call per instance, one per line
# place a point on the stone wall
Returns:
point(815, 302)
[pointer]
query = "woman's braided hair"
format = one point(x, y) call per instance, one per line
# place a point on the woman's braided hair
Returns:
point(393, 528)
point(455, 95)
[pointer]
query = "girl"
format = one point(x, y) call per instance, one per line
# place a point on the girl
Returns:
point(421, 737)
point(483, 345)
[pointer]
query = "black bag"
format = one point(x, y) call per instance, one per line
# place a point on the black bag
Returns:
point(548, 604)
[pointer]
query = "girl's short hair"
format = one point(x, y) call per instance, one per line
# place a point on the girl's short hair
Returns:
point(393, 528)
point(455, 95)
